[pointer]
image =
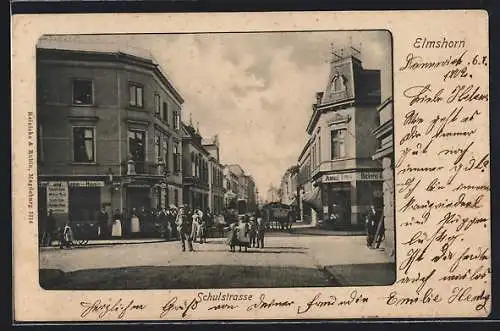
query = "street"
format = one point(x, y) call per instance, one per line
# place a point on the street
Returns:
point(288, 260)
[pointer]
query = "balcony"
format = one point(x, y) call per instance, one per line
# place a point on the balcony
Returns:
point(142, 168)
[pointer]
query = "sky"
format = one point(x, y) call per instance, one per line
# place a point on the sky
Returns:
point(254, 90)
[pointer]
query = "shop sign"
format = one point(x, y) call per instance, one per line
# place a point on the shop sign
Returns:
point(369, 176)
point(86, 183)
point(335, 178)
point(57, 197)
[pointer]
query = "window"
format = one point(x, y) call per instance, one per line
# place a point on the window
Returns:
point(83, 92)
point(165, 152)
point(193, 165)
point(157, 105)
point(83, 144)
point(164, 115)
point(338, 143)
point(177, 160)
point(176, 119)
point(136, 95)
point(137, 149)
point(157, 148)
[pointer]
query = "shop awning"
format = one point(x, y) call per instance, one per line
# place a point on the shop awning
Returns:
point(313, 198)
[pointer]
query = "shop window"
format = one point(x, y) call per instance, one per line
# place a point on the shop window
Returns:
point(84, 203)
point(338, 144)
point(157, 105)
point(136, 95)
point(83, 144)
point(137, 149)
point(83, 93)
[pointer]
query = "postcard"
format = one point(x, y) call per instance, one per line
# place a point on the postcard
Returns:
point(251, 166)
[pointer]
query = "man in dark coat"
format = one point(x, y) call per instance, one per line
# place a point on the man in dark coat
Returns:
point(163, 220)
point(103, 219)
point(50, 226)
point(372, 219)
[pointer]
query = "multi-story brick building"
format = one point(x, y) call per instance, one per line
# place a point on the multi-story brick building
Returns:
point(195, 169)
point(337, 171)
point(215, 174)
point(108, 132)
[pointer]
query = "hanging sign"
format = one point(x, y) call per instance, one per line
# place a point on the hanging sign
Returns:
point(57, 197)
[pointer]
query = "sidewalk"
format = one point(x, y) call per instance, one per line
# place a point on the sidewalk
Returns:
point(109, 242)
point(307, 229)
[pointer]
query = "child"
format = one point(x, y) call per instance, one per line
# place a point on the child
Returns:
point(66, 239)
point(232, 239)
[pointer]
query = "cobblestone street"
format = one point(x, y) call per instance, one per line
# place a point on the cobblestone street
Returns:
point(287, 260)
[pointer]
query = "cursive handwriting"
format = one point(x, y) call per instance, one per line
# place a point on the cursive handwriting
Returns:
point(102, 309)
point(266, 304)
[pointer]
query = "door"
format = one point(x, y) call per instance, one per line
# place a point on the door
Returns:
point(138, 197)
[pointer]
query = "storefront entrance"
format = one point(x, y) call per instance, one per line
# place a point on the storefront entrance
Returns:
point(138, 197)
point(84, 202)
point(339, 202)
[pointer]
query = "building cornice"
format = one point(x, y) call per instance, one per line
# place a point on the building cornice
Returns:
point(65, 54)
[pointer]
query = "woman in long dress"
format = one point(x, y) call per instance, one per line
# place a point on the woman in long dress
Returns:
point(116, 229)
point(134, 223)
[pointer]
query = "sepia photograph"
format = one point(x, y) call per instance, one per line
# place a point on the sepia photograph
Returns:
point(215, 160)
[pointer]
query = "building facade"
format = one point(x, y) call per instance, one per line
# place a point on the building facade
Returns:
point(216, 175)
point(288, 185)
point(108, 133)
point(251, 194)
point(337, 172)
point(385, 153)
point(196, 182)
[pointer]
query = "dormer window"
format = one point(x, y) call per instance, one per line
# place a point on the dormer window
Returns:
point(338, 83)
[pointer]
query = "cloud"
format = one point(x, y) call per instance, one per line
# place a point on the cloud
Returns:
point(254, 89)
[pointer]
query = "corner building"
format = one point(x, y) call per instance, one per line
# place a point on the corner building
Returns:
point(108, 126)
point(336, 165)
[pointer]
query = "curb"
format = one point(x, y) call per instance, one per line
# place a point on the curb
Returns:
point(90, 244)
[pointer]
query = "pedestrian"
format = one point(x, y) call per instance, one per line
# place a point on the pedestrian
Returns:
point(135, 225)
point(125, 223)
point(202, 229)
point(252, 233)
point(243, 229)
point(163, 220)
point(372, 218)
point(232, 239)
point(102, 219)
point(220, 223)
point(195, 225)
point(50, 226)
point(171, 217)
point(66, 236)
point(116, 229)
point(183, 223)
point(261, 231)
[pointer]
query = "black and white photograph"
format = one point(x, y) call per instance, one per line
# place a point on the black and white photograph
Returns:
point(215, 160)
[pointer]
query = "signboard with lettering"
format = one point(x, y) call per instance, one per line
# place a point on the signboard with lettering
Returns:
point(369, 176)
point(335, 178)
point(86, 183)
point(349, 176)
point(57, 197)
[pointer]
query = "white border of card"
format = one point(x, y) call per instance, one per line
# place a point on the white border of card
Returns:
point(442, 211)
